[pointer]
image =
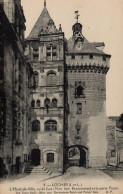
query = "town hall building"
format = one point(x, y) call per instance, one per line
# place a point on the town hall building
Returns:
point(53, 96)
point(69, 96)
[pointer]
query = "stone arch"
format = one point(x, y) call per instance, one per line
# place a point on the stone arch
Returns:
point(51, 78)
point(78, 155)
point(51, 72)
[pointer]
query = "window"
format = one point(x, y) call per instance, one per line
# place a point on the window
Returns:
point(51, 125)
point(51, 52)
point(79, 91)
point(113, 153)
point(36, 125)
point(35, 53)
point(51, 78)
point(36, 79)
point(47, 102)
point(38, 104)
point(54, 102)
point(50, 157)
point(54, 54)
point(104, 58)
point(79, 108)
point(25, 157)
point(33, 104)
point(54, 47)
point(48, 48)
point(35, 57)
point(48, 54)
point(72, 56)
point(91, 56)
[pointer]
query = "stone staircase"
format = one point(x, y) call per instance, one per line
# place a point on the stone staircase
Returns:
point(38, 170)
point(28, 169)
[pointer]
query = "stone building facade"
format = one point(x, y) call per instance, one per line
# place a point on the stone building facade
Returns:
point(115, 142)
point(46, 46)
point(15, 87)
point(53, 112)
point(87, 66)
point(69, 96)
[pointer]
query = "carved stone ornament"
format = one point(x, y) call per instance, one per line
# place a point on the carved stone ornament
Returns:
point(42, 70)
point(61, 94)
point(77, 137)
point(42, 95)
point(82, 83)
point(60, 42)
point(71, 86)
point(78, 126)
point(60, 68)
point(35, 46)
point(37, 141)
point(61, 116)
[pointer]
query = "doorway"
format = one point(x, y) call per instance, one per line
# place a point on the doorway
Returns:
point(77, 155)
point(18, 164)
point(35, 157)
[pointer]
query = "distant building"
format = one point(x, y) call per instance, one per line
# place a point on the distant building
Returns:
point(115, 142)
point(15, 86)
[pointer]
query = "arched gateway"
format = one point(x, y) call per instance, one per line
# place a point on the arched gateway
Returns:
point(78, 155)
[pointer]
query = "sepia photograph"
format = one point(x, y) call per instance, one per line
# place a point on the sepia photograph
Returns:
point(61, 96)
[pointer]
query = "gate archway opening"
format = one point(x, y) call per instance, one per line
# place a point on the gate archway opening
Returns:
point(77, 155)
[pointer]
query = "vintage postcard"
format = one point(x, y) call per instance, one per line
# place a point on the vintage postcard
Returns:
point(61, 97)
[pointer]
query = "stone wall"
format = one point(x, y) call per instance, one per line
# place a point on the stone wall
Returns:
point(16, 73)
point(92, 119)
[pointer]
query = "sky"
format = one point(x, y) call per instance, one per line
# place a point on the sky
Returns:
point(102, 21)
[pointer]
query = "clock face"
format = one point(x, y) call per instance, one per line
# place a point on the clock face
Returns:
point(79, 46)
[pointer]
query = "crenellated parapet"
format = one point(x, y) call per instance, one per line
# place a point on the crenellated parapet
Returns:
point(95, 68)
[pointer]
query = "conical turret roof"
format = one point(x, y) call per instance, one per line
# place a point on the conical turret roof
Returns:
point(42, 22)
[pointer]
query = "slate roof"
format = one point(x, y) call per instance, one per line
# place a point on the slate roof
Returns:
point(98, 44)
point(88, 48)
point(41, 22)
